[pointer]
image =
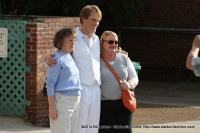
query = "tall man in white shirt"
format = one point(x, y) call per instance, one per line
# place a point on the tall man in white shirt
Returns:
point(86, 55)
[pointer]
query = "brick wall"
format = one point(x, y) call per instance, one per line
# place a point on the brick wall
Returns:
point(163, 54)
point(40, 33)
point(170, 13)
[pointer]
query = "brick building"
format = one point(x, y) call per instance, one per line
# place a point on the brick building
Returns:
point(162, 38)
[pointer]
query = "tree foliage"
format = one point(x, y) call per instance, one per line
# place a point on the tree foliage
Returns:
point(115, 12)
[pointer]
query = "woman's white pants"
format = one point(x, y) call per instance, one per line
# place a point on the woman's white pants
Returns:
point(68, 114)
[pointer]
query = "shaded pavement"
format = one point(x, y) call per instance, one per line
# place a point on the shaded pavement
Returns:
point(165, 107)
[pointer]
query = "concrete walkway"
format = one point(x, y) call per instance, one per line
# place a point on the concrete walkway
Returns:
point(184, 94)
point(151, 93)
point(19, 125)
point(181, 127)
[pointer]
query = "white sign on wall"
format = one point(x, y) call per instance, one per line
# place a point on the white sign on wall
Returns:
point(3, 42)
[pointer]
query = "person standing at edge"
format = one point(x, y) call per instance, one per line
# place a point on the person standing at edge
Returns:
point(193, 61)
point(86, 55)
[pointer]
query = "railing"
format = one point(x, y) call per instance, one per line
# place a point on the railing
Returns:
point(119, 30)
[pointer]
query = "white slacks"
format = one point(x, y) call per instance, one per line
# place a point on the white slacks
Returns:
point(89, 109)
point(68, 114)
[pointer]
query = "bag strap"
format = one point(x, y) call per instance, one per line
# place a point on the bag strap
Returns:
point(111, 69)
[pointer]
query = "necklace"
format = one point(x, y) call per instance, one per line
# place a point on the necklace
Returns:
point(66, 55)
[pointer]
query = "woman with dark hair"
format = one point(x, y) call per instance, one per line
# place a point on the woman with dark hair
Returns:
point(63, 85)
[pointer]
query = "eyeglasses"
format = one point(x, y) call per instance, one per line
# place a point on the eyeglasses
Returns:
point(111, 41)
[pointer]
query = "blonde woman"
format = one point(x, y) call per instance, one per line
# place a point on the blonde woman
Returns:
point(114, 116)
